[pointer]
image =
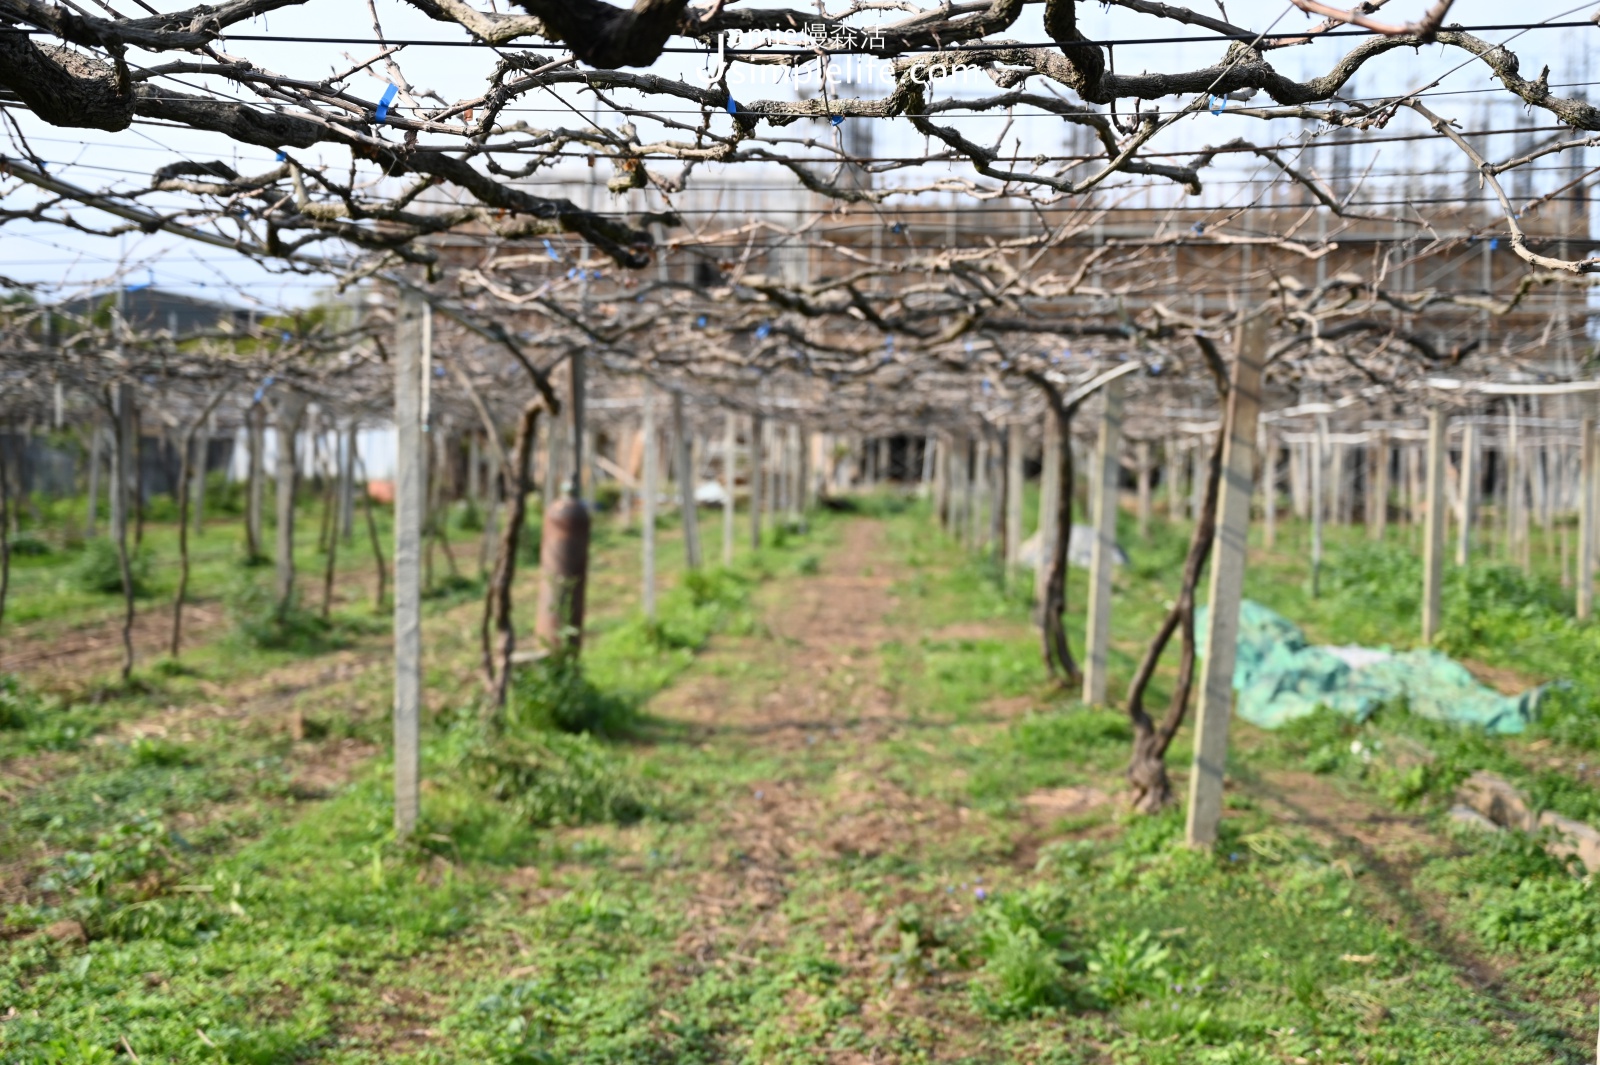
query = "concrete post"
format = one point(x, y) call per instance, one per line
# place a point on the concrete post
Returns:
point(1318, 499)
point(730, 448)
point(757, 460)
point(1141, 452)
point(1015, 442)
point(409, 487)
point(1588, 504)
point(685, 467)
point(1103, 519)
point(647, 511)
point(1227, 587)
point(1049, 503)
point(1433, 539)
point(1468, 494)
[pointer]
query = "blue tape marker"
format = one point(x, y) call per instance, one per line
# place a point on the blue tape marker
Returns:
point(550, 250)
point(572, 273)
point(283, 157)
point(1200, 227)
point(1494, 244)
point(897, 228)
point(383, 105)
point(733, 106)
point(259, 393)
point(700, 321)
point(1217, 104)
point(763, 331)
point(837, 120)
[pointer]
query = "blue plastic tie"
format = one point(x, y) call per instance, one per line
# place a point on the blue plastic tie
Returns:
point(1200, 227)
point(733, 106)
point(388, 98)
point(1217, 104)
point(763, 331)
point(550, 250)
point(1494, 244)
point(898, 227)
point(837, 120)
point(283, 157)
point(700, 321)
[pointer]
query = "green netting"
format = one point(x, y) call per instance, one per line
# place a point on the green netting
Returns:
point(1279, 677)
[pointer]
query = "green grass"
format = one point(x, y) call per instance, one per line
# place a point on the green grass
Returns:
point(600, 880)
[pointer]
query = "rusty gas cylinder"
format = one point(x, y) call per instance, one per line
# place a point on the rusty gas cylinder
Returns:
point(563, 572)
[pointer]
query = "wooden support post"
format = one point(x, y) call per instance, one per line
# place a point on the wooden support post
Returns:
point(730, 480)
point(1015, 442)
point(1468, 483)
point(409, 487)
point(1103, 520)
point(647, 511)
point(689, 512)
point(1227, 587)
point(1141, 453)
point(1049, 501)
point(1588, 505)
point(1433, 536)
point(757, 460)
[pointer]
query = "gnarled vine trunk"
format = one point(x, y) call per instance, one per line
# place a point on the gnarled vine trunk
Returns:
point(1147, 769)
point(497, 602)
point(1053, 629)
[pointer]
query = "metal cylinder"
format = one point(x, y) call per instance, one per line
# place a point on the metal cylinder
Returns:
point(563, 573)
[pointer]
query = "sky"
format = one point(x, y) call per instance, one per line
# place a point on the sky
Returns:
point(66, 262)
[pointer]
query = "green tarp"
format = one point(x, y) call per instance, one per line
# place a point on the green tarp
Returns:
point(1279, 676)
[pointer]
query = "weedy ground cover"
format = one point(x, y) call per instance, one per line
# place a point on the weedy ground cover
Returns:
point(824, 808)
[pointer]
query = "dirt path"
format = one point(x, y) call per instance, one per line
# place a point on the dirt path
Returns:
point(820, 714)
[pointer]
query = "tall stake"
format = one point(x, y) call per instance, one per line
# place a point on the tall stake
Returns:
point(1433, 538)
point(1049, 497)
point(1141, 460)
point(95, 436)
point(255, 430)
point(757, 425)
point(290, 407)
point(1227, 587)
point(1103, 520)
point(647, 515)
point(1317, 500)
point(730, 447)
point(685, 463)
point(1469, 493)
point(411, 336)
point(1015, 442)
point(1588, 504)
